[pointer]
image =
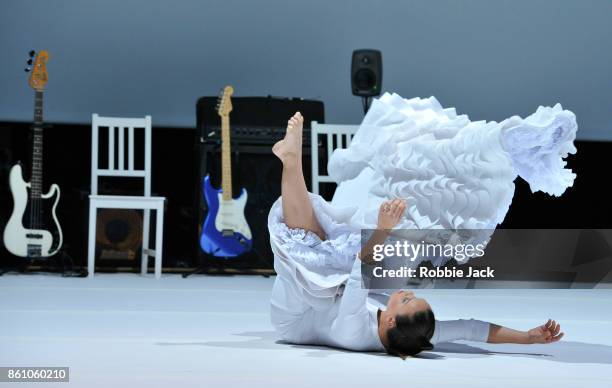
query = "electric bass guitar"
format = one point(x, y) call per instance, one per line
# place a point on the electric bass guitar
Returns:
point(33, 230)
point(225, 232)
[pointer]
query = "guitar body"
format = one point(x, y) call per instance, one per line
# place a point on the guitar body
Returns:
point(22, 237)
point(225, 232)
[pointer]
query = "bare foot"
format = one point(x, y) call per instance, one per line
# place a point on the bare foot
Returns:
point(290, 148)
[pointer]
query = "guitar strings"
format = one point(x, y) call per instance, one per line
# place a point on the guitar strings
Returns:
point(39, 165)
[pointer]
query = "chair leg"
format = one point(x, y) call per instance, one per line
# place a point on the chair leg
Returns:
point(159, 240)
point(146, 227)
point(91, 242)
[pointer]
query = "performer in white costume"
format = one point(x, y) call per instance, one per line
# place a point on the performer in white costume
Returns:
point(317, 296)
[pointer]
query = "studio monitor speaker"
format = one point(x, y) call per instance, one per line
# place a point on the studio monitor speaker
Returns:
point(366, 73)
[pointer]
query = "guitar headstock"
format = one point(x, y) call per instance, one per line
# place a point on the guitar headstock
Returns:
point(224, 103)
point(38, 78)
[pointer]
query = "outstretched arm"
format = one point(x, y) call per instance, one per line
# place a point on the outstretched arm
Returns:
point(545, 334)
point(481, 331)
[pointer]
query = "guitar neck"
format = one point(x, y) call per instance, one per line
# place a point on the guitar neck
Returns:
point(226, 158)
point(37, 147)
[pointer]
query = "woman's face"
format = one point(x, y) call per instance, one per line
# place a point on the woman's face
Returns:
point(405, 302)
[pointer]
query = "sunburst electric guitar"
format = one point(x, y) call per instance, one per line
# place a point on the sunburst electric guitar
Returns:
point(33, 230)
point(225, 232)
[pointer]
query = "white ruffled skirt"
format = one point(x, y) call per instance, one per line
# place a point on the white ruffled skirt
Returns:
point(453, 173)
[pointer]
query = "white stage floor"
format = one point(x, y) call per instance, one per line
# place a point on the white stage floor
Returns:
point(120, 330)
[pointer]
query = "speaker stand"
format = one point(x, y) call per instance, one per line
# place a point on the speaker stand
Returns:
point(365, 102)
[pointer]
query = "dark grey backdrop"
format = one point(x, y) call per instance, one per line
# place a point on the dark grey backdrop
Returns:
point(489, 58)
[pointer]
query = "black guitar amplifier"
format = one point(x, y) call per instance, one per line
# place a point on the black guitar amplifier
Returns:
point(250, 135)
point(256, 123)
point(264, 112)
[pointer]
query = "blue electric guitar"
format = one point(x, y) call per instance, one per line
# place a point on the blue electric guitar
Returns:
point(225, 232)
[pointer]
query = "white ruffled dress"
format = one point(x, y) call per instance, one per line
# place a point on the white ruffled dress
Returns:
point(453, 173)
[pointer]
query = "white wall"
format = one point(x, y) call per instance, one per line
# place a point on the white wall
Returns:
point(489, 58)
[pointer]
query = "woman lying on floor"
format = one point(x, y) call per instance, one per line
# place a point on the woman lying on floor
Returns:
point(317, 297)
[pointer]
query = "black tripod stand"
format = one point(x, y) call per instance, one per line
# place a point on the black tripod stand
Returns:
point(63, 263)
point(218, 267)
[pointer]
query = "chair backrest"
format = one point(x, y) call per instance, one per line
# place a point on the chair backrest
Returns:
point(338, 136)
point(120, 152)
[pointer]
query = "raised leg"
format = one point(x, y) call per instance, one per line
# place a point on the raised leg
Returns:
point(91, 240)
point(297, 209)
point(146, 226)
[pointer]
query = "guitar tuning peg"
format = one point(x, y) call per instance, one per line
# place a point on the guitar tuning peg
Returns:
point(29, 62)
point(32, 53)
point(27, 69)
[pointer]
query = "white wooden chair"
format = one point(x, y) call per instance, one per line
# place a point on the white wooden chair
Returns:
point(341, 133)
point(118, 166)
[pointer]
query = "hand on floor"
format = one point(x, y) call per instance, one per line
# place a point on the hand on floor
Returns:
point(545, 334)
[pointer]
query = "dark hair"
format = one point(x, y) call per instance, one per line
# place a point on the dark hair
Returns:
point(411, 333)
